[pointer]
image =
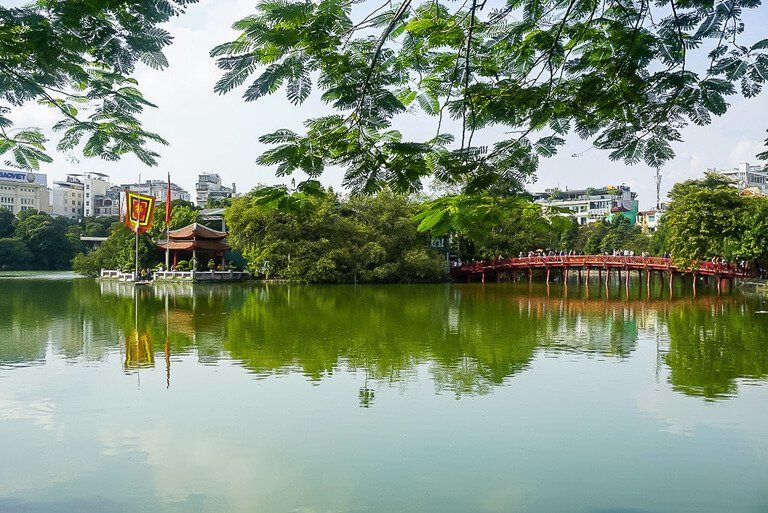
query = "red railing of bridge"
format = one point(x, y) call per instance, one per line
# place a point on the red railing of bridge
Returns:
point(633, 263)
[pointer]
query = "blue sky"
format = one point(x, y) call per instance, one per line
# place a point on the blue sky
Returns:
point(212, 133)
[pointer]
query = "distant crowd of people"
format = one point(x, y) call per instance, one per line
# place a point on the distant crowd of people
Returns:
point(743, 265)
point(549, 252)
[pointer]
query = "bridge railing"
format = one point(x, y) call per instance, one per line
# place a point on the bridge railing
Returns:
point(596, 261)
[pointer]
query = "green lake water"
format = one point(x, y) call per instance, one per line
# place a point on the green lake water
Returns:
point(420, 398)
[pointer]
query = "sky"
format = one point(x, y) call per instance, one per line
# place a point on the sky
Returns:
point(212, 133)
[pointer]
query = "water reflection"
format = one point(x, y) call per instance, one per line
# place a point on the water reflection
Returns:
point(139, 351)
point(472, 338)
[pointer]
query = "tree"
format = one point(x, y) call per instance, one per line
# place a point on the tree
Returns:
point(14, 254)
point(98, 226)
point(46, 239)
point(487, 226)
point(219, 202)
point(622, 234)
point(754, 236)
point(625, 76)
point(76, 57)
point(705, 218)
point(118, 252)
point(6, 223)
point(311, 235)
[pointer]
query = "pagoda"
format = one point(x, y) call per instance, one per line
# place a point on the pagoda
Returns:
point(197, 240)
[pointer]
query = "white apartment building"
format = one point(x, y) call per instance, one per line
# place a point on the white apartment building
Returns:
point(68, 197)
point(746, 175)
point(21, 191)
point(95, 186)
point(85, 195)
point(592, 204)
point(209, 187)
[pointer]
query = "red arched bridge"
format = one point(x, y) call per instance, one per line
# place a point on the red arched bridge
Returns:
point(603, 264)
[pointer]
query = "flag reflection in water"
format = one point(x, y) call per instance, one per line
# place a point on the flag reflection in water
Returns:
point(138, 351)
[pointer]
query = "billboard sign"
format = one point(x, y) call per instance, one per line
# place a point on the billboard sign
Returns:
point(23, 176)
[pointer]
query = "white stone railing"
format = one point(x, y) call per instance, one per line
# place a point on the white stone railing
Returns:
point(111, 274)
point(187, 276)
point(220, 275)
point(199, 276)
point(174, 275)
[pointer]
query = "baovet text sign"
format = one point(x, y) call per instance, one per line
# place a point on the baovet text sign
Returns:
point(20, 176)
point(10, 175)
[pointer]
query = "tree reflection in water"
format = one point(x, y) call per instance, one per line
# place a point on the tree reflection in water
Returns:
point(470, 338)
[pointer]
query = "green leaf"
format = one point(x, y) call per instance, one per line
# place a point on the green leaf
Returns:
point(429, 103)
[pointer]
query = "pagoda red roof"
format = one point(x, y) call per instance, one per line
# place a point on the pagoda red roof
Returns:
point(196, 231)
point(189, 245)
point(195, 237)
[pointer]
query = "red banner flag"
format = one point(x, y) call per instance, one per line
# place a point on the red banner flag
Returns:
point(168, 202)
point(139, 212)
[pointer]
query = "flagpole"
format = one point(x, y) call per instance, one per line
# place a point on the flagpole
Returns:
point(136, 275)
point(168, 224)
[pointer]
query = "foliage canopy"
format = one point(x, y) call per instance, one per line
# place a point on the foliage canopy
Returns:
point(311, 235)
point(626, 76)
point(76, 56)
point(708, 217)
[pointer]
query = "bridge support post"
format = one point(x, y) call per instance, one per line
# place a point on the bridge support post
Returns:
point(719, 284)
point(671, 277)
point(483, 278)
point(694, 284)
point(530, 276)
point(547, 275)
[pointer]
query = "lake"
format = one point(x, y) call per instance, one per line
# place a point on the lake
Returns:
point(413, 398)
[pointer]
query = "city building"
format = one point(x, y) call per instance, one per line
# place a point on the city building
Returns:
point(209, 187)
point(746, 175)
point(95, 186)
point(649, 220)
point(590, 205)
point(108, 204)
point(158, 188)
point(21, 191)
point(85, 195)
point(213, 218)
point(67, 197)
